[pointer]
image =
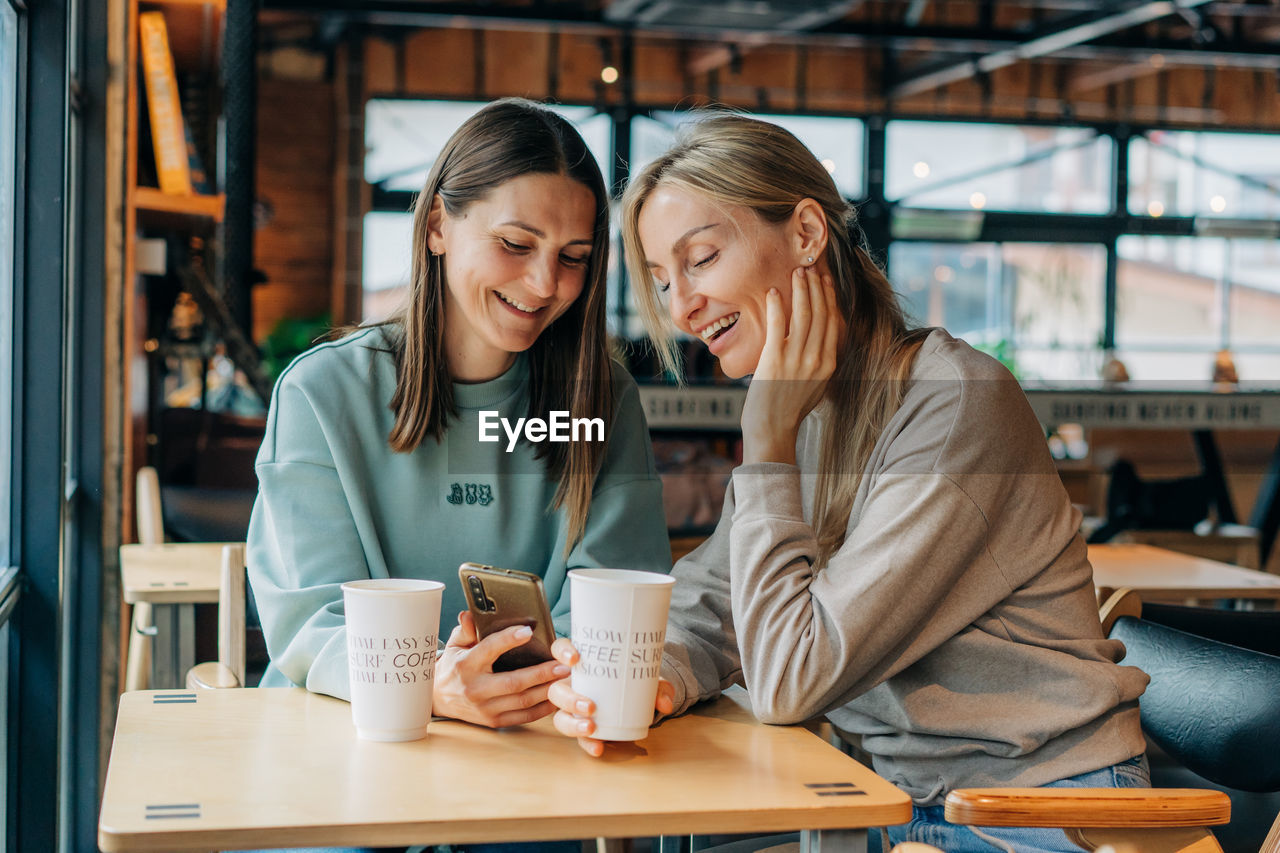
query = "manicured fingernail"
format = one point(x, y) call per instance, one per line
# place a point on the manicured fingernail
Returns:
point(524, 632)
point(773, 291)
point(560, 671)
point(584, 726)
point(583, 706)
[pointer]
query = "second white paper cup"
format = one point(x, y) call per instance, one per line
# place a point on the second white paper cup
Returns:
point(619, 624)
point(392, 630)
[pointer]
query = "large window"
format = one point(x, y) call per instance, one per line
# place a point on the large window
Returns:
point(1191, 173)
point(1040, 306)
point(950, 165)
point(402, 140)
point(1035, 306)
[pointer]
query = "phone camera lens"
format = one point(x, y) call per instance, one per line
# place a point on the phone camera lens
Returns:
point(483, 603)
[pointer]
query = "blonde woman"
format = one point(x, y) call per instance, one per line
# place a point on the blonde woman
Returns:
point(896, 551)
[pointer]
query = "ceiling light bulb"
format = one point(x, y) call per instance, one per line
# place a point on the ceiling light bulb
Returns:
point(978, 201)
point(1218, 204)
point(609, 74)
point(920, 169)
point(1155, 209)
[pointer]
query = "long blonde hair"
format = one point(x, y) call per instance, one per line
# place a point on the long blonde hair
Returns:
point(569, 367)
point(736, 161)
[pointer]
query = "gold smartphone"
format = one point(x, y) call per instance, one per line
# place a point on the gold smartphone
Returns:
point(500, 598)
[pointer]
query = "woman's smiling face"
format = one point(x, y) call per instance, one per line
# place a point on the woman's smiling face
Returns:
point(514, 262)
point(715, 265)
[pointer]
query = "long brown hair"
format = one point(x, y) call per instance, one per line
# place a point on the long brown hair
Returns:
point(569, 366)
point(736, 161)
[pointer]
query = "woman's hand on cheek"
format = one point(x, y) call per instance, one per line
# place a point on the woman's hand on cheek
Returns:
point(467, 688)
point(794, 367)
point(574, 712)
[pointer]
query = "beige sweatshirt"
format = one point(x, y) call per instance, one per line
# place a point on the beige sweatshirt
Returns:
point(955, 633)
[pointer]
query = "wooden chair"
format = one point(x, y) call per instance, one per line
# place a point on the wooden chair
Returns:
point(1210, 706)
point(229, 669)
point(150, 522)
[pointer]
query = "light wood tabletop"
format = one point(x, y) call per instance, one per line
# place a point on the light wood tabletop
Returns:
point(231, 769)
point(172, 573)
point(1160, 574)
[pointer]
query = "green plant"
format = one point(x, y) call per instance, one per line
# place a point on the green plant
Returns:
point(291, 337)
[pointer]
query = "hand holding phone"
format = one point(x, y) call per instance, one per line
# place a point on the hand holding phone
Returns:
point(503, 598)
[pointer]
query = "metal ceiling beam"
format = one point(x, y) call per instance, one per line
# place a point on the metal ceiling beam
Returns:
point(845, 34)
point(1069, 32)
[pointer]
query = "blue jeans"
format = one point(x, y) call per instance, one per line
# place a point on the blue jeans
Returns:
point(929, 826)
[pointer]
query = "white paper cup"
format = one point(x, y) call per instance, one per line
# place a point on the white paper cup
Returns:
point(619, 623)
point(392, 626)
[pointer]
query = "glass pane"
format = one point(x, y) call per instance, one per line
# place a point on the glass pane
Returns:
point(1262, 367)
point(403, 138)
point(1253, 271)
point(1191, 173)
point(952, 285)
point(1180, 299)
point(8, 133)
point(951, 165)
point(1035, 306)
point(387, 262)
point(1156, 365)
point(837, 142)
point(1168, 294)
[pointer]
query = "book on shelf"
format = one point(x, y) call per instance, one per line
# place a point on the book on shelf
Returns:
point(195, 95)
point(168, 136)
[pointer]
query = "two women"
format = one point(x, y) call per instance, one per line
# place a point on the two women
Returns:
point(373, 466)
point(896, 552)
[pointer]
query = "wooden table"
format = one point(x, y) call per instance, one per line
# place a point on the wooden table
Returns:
point(1161, 575)
point(232, 769)
point(173, 577)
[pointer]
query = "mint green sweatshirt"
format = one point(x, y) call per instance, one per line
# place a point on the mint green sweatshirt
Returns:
point(335, 503)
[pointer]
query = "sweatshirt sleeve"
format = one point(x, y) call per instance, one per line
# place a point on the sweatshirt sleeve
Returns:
point(811, 641)
point(702, 650)
point(302, 546)
point(626, 528)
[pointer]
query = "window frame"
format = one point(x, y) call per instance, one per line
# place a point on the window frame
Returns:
point(56, 628)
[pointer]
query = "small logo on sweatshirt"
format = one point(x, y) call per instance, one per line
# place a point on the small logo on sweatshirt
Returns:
point(474, 493)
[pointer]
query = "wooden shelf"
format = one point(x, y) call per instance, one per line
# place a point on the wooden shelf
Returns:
point(151, 200)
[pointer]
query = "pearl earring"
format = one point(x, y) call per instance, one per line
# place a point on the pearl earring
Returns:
point(809, 259)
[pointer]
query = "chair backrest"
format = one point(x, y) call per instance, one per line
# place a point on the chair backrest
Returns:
point(1137, 504)
point(1212, 706)
point(1258, 630)
point(231, 627)
point(146, 499)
